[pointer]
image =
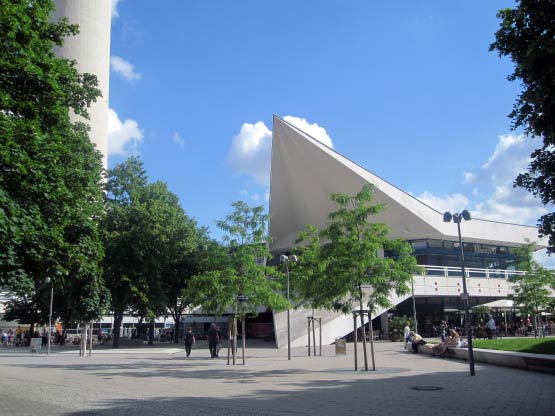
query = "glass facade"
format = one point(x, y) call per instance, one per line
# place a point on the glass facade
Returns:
point(447, 253)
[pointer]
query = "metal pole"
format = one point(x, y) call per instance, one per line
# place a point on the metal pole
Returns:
point(414, 307)
point(371, 338)
point(50, 316)
point(308, 320)
point(320, 332)
point(91, 327)
point(466, 300)
point(355, 335)
point(314, 335)
point(288, 315)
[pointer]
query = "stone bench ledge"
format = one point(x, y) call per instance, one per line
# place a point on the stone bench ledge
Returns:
point(523, 360)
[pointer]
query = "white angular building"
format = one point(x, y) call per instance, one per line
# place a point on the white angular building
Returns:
point(305, 172)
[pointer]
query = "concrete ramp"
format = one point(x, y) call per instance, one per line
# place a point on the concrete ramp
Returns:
point(334, 324)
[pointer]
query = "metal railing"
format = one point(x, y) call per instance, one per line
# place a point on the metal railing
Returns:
point(469, 272)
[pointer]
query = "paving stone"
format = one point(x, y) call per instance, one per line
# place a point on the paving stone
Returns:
point(147, 380)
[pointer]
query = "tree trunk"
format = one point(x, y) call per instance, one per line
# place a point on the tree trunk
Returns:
point(229, 339)
point(234, 339)
point(139, 327)
point(243, 332)
point(314, 335)
point(151, 332)
point(363, 326)
point(91, 328)
point(116, 330)
point(177, 320)
point(371, 338)
point(83, 344)
point(355, 340)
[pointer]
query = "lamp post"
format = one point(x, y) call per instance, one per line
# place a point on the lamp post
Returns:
point(48, 280)
point(414, 307)
point(285, 259)
point(457, 218)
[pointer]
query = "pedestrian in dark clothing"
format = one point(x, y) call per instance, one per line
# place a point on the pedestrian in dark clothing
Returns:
point(213, 339)
point(189, 340)
point(219, 344)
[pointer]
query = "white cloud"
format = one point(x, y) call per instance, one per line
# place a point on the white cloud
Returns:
point(496, 199)
point(123, 137)
point(314, 130)
point(123, 68)
point(453, 203)
point(510, 157)
point(544, 259)
point(180, 141)
point(250, 151)
point(469, 177)
point(115, 8)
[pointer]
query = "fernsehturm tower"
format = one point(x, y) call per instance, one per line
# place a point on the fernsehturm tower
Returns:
point(91, 49)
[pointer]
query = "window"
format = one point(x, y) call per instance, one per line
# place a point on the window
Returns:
point(435, 243)
point(419, 244)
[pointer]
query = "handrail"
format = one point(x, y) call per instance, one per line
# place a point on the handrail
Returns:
point(445, 271)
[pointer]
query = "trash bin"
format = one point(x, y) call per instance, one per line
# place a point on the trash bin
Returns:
point(36, 344)
point(340, 346)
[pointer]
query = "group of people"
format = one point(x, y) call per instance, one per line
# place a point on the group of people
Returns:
point(213, 335)
point(16, 338)
point(449, 338)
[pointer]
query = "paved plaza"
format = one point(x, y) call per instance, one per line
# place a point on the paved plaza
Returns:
point(161, 380)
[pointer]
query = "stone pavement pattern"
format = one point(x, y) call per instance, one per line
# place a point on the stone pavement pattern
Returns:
point(152, 381)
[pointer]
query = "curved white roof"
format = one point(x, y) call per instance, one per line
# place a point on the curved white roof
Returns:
point(305, 172)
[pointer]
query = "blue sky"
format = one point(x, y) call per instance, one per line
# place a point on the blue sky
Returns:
point(406, 89)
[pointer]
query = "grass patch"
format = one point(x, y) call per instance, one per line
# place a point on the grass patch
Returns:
point(533, 345)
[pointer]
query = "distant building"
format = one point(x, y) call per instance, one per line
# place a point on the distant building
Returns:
point(305, 172)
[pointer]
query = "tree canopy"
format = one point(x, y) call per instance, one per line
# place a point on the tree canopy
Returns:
point(531, 289)
point(352, 264)
point(527, 36)
point(239, 270)
point(50, 197)
point(346, 260)
point(149, 242)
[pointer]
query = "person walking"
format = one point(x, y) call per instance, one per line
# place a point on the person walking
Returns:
point(406, 332)
point(213, 339)
point(490, 327)
point(219, 344)
point(189, 340)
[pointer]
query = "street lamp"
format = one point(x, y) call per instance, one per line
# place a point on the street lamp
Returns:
point(457, 218)
point(285, 259)
point(48, 280)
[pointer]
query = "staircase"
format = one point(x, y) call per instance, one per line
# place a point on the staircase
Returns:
point(334, 324)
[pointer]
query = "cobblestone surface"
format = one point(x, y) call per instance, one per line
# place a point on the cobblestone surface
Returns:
point(162, 381)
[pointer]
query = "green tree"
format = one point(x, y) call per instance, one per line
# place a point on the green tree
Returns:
point(175, 244)
point(50, 198)
point(351, 270)
point(532, 294)
point(527, 36)
point(124, 240)
point(240, 280)
point(150, 247)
